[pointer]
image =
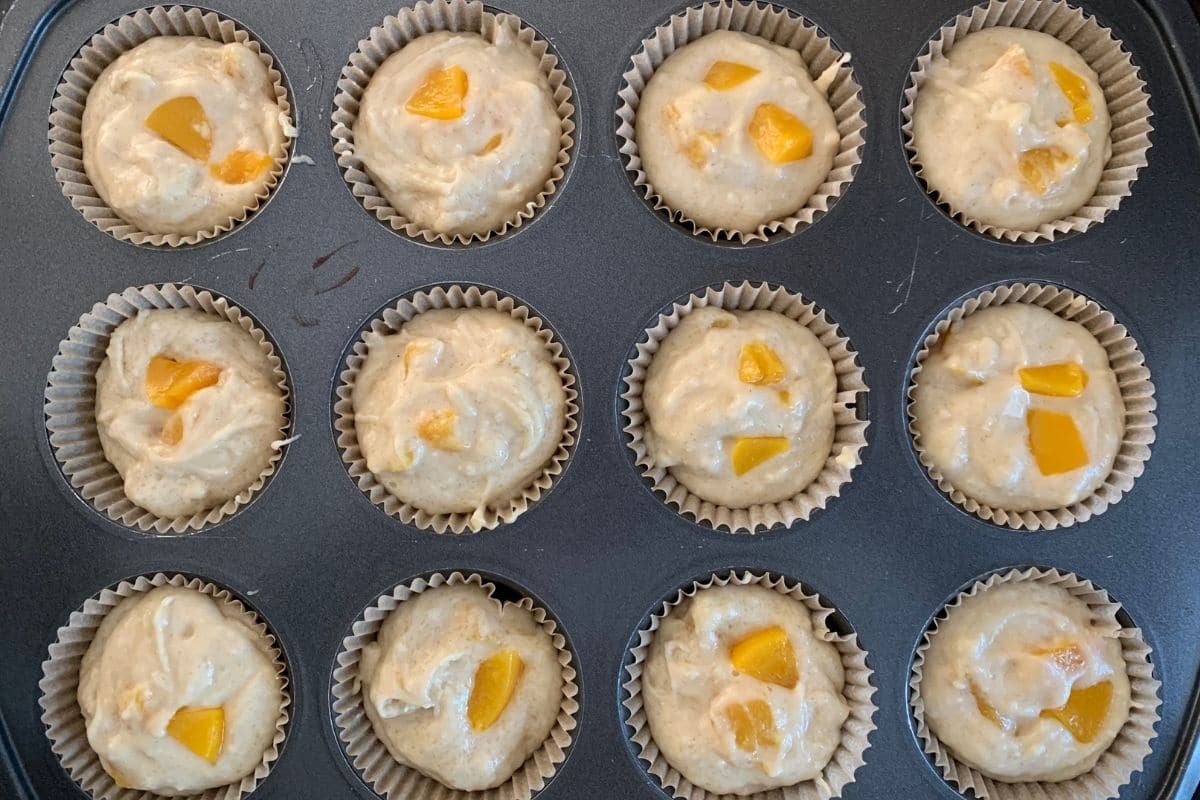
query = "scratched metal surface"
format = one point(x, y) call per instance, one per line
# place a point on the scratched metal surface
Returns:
point(600, 550)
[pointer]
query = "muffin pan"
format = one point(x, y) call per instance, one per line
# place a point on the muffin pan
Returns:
point(601, 551)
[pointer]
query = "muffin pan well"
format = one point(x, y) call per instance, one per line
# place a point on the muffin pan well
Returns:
point(600, 550)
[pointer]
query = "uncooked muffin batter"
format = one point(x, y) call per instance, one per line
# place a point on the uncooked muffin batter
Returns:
point(187, 410)
point(1012, 128)
point(733, 133)
point(458, 133)
point(1019, 684)
point(430, 700)
point(178, 694)
point(741, 697)
point(1019, 409)
point(739, 406)
point(459, 410)
point(180, 133)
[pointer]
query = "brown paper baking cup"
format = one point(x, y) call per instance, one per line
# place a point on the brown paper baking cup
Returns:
point(65, 726)
point(390, 36)
point(66, 113)
point(369, 755)
point(1124, 93)
point(391, 320)
point(1133, 380)
point(849, 436)
point(858, 691)
point(827, 65)
point(1124, 756)
point(70, 405)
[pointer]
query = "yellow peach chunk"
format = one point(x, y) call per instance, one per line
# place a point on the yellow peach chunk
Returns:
point(1054, 380)
point(1055, 442)
point(183, 123)
point(201, 730)
point(753, 725)
point(1040, 166)
point(1084, 712)
point(1015, 59)
point(440, 95)
point(985, 708)
point(759, 365)
point(240, 166)
point(785, 397)
point(778, 135)
point(750, 451)
point(437, 428)
point(172, 431)
point(724, 75)
point(492, 144)
point(768, 656)
point(698, 147)
point(1067, 657)
point(1074, 88)
point(495, 683)
point(169, 383)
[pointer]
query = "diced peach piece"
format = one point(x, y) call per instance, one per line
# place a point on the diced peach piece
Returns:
point(1055, 442)
point(1074, 88)
point(699, 146)
point(759, 365)
point(724, 75)
point(172, 431)
point(1054, 380)
point(785, 397)
point(440, 95)
point(169, 383)
point(753, 725)
point(1084, 712)
point(1067, 657)
point(495, 683)
point(1040, 166)
point(437, 428)
point(768, 656)
point(240, 166)
point(1015, 59)
point(201, 730)
point(778, 135)
point(750, 451)
point(183, 123)
point(986, 708)
point(492, 144)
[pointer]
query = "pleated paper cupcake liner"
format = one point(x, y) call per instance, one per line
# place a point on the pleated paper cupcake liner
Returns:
point(66, 114)
point(827, 65)
point(1124, 93)
point(391, 320)
point(849, 432)
point(370, 756)
point(70, 406)
point(1124, 756)
point(858, 692)
point(63, 718)
point(389, 37)
point(1133, 380)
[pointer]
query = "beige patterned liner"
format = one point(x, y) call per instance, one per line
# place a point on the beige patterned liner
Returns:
point(1124, 93)
point(858, 691)
point(1124, 756)
point(828, 66)
point(391, 320)
point(70, 405)
point(428, 16)
point(1133, 380)
point(370, 756)
point(63, 718)
point(849, 432)
point(66, 114)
